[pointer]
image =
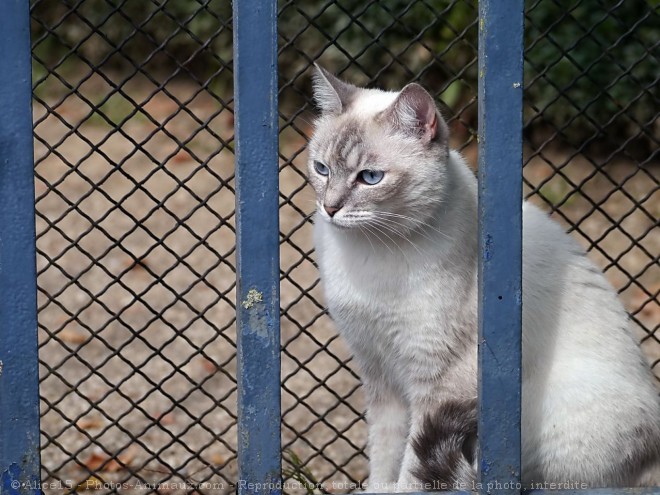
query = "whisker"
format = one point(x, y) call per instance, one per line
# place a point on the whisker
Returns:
point(396, 232)
point(452, 264)
point(367, 236)
point(414, 220)
point(386, 219)
point(374, 225)
point(299, 117)
point(379, 238)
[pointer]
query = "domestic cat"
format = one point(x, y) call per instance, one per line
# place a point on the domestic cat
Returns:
point(396, 242)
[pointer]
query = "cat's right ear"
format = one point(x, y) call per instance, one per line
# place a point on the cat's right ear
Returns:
point(414, 112)
point(331, 94)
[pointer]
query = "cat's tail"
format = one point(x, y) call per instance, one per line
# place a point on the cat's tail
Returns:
point(446, 446)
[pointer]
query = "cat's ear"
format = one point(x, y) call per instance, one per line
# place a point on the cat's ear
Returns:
point(331, 94)
point(414, 112)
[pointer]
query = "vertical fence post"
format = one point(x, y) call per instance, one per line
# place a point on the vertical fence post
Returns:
point(501, 28)
point(257, 246)
point(19, 369)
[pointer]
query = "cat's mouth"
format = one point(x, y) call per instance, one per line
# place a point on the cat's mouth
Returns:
point(341, 223)
point(352, 219)
point(340, 220)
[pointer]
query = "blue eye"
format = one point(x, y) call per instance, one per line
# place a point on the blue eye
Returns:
point(370, 177)
point(320, 168)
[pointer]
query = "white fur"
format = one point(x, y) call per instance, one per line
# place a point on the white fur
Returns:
point(406, 304)
point(582, 372)
point(372, 102)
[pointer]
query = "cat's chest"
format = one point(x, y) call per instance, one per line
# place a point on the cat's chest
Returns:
point(384, 291)
point(390, 313)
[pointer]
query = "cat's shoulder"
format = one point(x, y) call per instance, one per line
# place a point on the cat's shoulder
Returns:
point(539, 227)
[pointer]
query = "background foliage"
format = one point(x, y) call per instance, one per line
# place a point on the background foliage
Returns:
point(578, 52)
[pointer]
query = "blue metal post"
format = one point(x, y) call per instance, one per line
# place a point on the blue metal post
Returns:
point(258, 275)
point(19, 369)
point(501, 28)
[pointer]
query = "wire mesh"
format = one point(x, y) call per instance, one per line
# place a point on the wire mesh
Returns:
point(134, 201)
point(133, 127)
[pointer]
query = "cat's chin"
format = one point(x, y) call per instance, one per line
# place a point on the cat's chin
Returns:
point(338, 224)
point(341, 226)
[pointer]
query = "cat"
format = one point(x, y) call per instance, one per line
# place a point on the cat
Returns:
point(396, 242)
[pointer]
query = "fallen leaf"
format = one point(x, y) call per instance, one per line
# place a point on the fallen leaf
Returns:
point(136, 264)
point(99, 461)
point(167, 419)
point(650, 310)
point(217, 459)
point(89, 423)
point(91, 483)
point(71, 336)
point(96, 460)
point(160, 106)
point(207, 365)
point(182, 157)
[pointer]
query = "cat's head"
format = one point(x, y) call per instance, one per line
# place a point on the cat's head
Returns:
point(376, 158)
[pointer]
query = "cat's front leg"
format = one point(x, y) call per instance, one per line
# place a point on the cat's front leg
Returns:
point(407, 482)
point(447, 459)
point(387, 417)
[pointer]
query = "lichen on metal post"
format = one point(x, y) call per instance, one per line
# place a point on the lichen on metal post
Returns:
point(257, 247)
point(501, 27)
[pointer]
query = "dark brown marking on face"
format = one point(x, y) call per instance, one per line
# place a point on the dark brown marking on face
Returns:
point(373, 160)
point(348, 138)
point(348, 144)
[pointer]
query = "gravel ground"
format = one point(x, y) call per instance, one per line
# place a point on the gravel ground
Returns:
point(137, 295)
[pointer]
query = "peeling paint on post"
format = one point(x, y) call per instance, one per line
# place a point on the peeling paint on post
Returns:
point(19, 378)
point(257, 246)
point(501, 26)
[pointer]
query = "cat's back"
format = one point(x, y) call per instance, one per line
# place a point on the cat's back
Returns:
point(581, 366)
point(568, 304)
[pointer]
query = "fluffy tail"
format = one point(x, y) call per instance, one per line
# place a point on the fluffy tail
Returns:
point(446, 446)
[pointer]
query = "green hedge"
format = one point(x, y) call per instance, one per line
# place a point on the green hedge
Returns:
point(595, 72)
point(586, 67)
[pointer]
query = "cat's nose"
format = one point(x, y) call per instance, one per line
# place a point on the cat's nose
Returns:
point(331, 210)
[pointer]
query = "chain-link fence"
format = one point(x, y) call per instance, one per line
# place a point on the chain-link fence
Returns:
point(135, 211)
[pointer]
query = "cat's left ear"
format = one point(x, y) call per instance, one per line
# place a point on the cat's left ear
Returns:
point(414, 112)
point(332, 95)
